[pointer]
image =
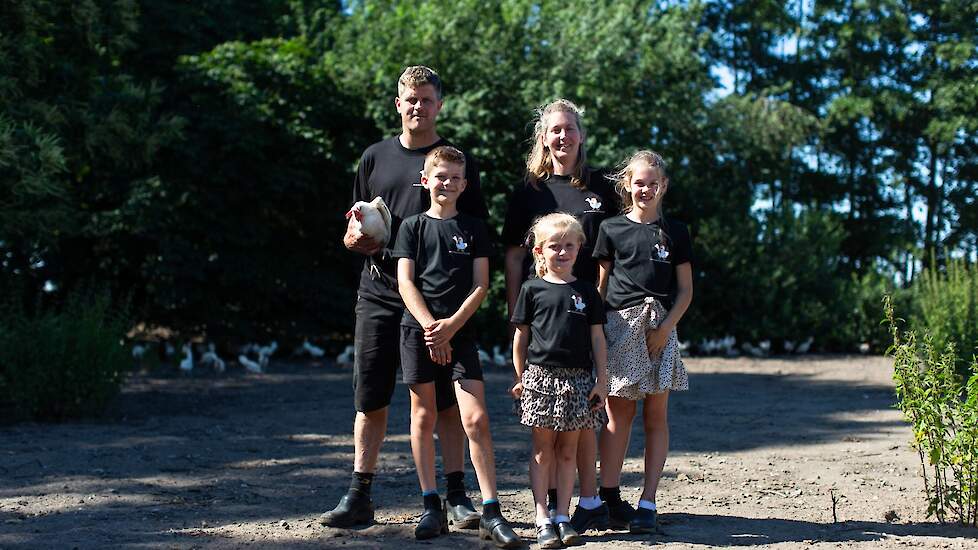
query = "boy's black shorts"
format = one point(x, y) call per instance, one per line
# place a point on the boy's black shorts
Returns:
point(376, 330)
point(418, 368)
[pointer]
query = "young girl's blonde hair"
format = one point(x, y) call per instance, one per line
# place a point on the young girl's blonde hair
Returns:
point(539, 163)
point(544, 228)
point(622, 177)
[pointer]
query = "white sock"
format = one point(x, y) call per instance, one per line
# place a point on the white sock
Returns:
point(543, 522)
point(561, 519)
point(589, 503)
point(648, 505)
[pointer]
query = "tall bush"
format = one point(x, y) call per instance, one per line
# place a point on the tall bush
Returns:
point(60, 362)
point(947, 302)
point(943, 411)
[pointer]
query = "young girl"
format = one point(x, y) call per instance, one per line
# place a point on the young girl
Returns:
point(642, 256)
point(558, 346)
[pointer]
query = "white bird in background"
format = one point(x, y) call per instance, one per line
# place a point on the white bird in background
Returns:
point(765, 346)
point(484, 359)
point(804, 346)
point(789, 346)
point(187, 364)
point(312, 349)
point(864, 348)
point(372, 219)
point(265, 352)
point(346, 358)
point(138, 351)
point(169, 350)
point(499, 358)
point(684, 347)
point(210, 357)
point(249, 365)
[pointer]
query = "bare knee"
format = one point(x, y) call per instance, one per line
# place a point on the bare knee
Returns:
point(655, 419)
point(423, 419)
point(567, 452)
point(476, 425)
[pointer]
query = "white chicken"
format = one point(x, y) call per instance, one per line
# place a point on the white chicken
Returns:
point(187, 365)
point(372, 219)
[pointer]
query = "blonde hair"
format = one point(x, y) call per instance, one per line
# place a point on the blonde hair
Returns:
point(544, 228)
point(539, 163)
point(416, 76)
point(622, 178)
point(443, 154)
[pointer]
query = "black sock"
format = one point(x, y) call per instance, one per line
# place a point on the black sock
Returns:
point(361, 483)
point(611, 495)
point(552, 496)
point(491, 510)
point(455, 487)
point(432, 502)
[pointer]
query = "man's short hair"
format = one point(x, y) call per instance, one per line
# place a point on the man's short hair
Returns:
point(443, 154)
point(417, 76)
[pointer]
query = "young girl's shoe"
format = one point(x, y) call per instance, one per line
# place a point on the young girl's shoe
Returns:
point(567, 534)
point(547, 536)
point(644, 521)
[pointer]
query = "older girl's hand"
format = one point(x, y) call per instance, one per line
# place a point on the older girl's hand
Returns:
point(655, 341)
point(598, 396)
point(517, 390)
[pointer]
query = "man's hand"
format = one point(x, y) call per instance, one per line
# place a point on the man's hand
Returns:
point(441, 355)
point(358, 242)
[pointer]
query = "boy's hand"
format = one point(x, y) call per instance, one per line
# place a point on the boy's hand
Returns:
point(655, 341)
point(358, 242)
point(598, 396)
point(439, 332)
point(441, 355)
point(517, 390)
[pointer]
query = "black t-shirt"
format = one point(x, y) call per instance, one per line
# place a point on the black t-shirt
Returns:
point(389, 170)
point(560, 318)
point(643, 264)
point(444, 252)
point(555, 194)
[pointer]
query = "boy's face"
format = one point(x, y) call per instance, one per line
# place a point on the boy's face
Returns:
point(418, 108)
point(445, 181)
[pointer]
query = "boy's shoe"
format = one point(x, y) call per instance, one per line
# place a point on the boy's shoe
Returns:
point(462, 515)
point(643, 522)
point(353, 509)
point(432, 523)
point(499, 532)
point(620, 515)
point(584, 519)
point(567, 534)
point(547, 536)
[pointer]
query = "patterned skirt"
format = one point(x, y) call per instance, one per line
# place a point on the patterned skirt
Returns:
point(632, 374)
point(556, 398)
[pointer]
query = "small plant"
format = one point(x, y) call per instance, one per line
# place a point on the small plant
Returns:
point(943, 412)
point(60, 362)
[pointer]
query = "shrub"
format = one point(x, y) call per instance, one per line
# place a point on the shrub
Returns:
point(60, 362)
point(947, 301)
point(943, 412)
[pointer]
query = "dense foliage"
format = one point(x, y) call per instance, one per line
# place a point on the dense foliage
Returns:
point(198, 156)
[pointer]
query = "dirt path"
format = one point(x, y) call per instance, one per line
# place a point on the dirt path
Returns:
point(758, 450)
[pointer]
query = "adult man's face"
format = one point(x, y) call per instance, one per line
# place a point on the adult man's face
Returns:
point(419, 108)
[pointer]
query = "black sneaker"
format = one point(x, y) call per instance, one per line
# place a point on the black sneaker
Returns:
point(353, 509)
point(547, 536)
point(462, 514)
point(584, 519)
point(620, 515)
point(644, 521)
point(568, 535)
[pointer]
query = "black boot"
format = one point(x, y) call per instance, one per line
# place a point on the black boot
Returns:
point(433, 521)
point(354, 509)
point(498, 530)
point(461, 512)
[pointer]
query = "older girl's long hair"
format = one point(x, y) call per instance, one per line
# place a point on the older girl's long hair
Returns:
point(539, 163)
point(546, 227)
point(622, 177)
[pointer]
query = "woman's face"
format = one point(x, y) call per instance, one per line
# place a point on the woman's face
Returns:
point(647, 185)
point(562, 137)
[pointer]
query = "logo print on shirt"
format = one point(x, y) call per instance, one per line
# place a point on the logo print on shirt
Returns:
point(661, 251)
point(594, 203)
point(579, 305)
point(460, 245)
point(420, 175)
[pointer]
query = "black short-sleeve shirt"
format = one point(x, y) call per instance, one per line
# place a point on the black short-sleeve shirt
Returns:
point(392, 171)
point(643, 263)
point(556, 194)
point(444, 251)
point(560, 318)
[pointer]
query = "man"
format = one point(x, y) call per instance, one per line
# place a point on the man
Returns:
point(392, 169)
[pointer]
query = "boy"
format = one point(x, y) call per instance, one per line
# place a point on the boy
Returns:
point(443, 276)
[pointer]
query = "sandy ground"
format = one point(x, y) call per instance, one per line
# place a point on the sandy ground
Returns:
point(759, 448)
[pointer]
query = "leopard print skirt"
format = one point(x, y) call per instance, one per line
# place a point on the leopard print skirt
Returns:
point(556, 398)
point(632, 374)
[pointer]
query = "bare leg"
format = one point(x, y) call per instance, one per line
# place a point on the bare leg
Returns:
point(587, 456)
point(540, 468)
point(475, 420)
point(369, 429)
point(656, 441)
point(614, 439)
point(423, 417)
point(451, 436)
point(566, 454)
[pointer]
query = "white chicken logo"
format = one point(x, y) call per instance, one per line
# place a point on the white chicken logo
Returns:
point(661, 251)
point(579, 304)
point(593, 202)
point(460, 244)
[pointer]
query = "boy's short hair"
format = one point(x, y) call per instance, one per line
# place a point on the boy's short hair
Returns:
point(416, 76)
point(443, 154)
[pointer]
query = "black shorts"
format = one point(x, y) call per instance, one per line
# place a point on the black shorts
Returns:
point(418, 367)
point(376, 329)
